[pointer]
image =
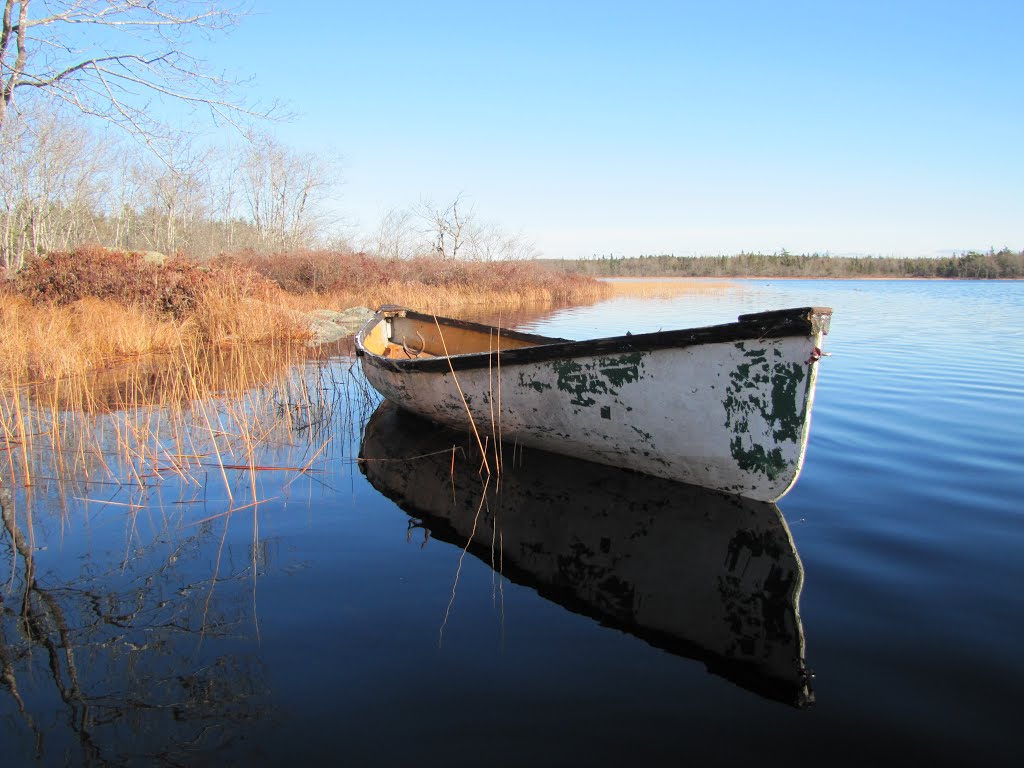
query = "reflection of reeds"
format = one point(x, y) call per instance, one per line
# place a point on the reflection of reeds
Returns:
point(105, 411)
point(458, 570)
point(177, 414)
point(113, 447)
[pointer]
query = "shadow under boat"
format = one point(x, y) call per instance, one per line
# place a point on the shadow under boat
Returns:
point(695, 572)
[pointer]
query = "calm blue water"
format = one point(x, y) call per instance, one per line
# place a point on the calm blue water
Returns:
point(326, 626)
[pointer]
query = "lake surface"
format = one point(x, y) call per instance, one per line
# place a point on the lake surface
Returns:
point(153, 617)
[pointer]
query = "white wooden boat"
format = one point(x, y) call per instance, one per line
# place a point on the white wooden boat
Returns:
point(725, 406)
point(698, 573)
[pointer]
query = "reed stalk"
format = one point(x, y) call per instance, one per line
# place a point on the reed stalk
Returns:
point(499, 445)
point(462, 557)
point(462, 396)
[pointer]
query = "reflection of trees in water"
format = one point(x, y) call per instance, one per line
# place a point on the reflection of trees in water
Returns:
point(125, 663)
point(122, 650)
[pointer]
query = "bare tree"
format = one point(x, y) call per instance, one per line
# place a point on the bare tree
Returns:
point(395, 237)
point(53, 179)
point(111, 58)
point(224, 202)
point(456, 232)
point(284, 190)
point(174, 196)
point(446, 227)
point(63, 184)
point(488, 242)
point(129, 187)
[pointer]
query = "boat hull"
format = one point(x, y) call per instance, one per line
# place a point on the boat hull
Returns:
point(729, 410)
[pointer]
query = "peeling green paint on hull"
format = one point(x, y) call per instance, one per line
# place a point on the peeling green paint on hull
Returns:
point(766, 390)
point(584, 379)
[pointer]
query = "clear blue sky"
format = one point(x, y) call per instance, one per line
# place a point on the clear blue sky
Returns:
point(889, 128)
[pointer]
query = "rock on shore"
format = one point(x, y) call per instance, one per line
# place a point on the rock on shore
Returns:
point(328, 325)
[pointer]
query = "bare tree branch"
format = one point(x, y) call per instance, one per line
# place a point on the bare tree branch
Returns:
point(137, 52)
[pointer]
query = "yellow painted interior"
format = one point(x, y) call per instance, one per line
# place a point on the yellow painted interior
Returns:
point(418, 338)
point(376, 341)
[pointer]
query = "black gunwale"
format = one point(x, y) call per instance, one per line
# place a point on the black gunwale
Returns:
point(798, 321)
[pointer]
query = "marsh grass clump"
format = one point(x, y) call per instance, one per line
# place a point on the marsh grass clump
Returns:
point(309, 271)
point(67, 313)
point(141, 345)
point(45, 341)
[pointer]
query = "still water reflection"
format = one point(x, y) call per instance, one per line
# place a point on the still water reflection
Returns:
point(110, 661)
point(222, 581)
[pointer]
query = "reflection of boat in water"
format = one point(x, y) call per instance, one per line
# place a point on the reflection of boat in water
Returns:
point(702, 574)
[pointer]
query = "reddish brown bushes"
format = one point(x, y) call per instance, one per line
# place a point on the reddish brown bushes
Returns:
point(180, 288)
point(172, 288)
point(336, 271)
point(312, 271)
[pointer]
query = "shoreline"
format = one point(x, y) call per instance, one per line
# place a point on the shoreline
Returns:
point(865, 278)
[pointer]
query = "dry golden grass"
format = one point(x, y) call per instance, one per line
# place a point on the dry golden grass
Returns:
point(666, 288)
point(98, 390)
point(443, 299)
point(167, 381)
point(47, 342)
point(223, 318)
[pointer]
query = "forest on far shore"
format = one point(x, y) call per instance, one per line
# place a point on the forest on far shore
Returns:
point(993, 265)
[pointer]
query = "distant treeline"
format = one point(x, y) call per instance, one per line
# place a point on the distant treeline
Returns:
point(1003, 264)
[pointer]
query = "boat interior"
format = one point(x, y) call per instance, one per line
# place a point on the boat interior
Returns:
point(412, 335)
